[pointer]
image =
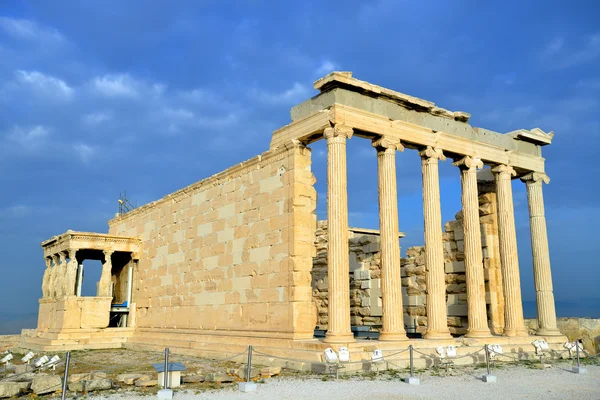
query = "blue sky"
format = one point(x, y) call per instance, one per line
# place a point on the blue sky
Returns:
point(101, 96)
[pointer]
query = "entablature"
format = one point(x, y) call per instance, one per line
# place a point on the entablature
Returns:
point(73, 240)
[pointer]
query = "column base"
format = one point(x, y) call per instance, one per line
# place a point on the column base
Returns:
point(437, 335)
point(548, 332)
point(339, 338)
point(478, 334)
point(393, 336)
point(515, 332)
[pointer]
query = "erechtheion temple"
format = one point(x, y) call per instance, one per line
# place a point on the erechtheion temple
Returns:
point(240, 259)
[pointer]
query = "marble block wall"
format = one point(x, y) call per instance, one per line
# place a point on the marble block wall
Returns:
point(365, 283)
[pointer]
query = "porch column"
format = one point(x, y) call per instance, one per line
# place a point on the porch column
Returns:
point(514, 324)
point(52, 289)
point(71, 275)
point(338, 269)
point(542, 276)
point(46, 278)
point(105, 278)
point(79, 283)
point(391, 284)
point(477, 316)
point(437, 312)
point(61, 275)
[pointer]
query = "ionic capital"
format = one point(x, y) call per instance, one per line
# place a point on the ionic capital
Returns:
point(535, 177)
point(469, 163)
point(338, 130)
point(386, 143)
point(504, 169)
point(432, 153)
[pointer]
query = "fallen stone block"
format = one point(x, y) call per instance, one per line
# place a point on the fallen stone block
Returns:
point(98, 384)
point(87, 376)
point(146, 383)
point(24, 377)
point(130, 379)
point(43, 384)
point(241, 373)
point(192, 379)
point(218, 378)
point(270, 371)
point(10, 389)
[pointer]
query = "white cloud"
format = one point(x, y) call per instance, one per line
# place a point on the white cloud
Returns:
point(116, 85)
point(29, 139)
point(295, 94)
point(554, 46)
point(558, 55)
point(84, 151)
point(326, 67)
point(123, 85)
point(96, 118)
point(45, 84)
point(29, 30)
point(16, 211)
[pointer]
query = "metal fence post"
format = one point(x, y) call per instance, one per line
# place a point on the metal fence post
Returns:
point(489, 377)
point(412, 368)
point(411, 379)
point(166, 373)
point(577, 350)
point(66, 376)
point(249, 366)
point(487, 359)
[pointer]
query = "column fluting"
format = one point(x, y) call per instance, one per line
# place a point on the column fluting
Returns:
point(391, 284)
point(437, 312)
point(542, 275)
point(514, 324)
point(476, 307)
point(338, 269)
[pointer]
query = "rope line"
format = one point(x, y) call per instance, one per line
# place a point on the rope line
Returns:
point(385, 358)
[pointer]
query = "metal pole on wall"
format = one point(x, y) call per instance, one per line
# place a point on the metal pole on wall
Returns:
point(166, 373)
point(66, 376)
point(249, 366)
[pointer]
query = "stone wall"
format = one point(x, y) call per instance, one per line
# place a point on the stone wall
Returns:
point(365, 285)
point(232, 252)
point(587, 329)
point(365, 274)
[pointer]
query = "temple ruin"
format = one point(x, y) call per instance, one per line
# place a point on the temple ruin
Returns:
point(239, 258)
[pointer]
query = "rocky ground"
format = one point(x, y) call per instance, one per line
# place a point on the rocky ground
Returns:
point(515, 382)
point(124, 374)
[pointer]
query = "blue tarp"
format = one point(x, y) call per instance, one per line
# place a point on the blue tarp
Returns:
point(173, 366)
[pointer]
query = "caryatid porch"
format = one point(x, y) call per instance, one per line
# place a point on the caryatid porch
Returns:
point(393, 121)
point(61, 305)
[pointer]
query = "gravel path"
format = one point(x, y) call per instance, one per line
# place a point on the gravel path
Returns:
point(514, 383)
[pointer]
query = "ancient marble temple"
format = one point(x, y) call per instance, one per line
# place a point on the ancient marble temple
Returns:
point(227, 262)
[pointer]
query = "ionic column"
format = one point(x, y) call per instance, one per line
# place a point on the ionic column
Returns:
point(71, 274)
point(46, 278)
point(61, 275)
point(52, 289)
point(478, 325)
point(391, 284)
point(437, 312)
point(514, 324)
point(105, 278)
point(542, 276)
point(338, 269)
point(79, 283)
